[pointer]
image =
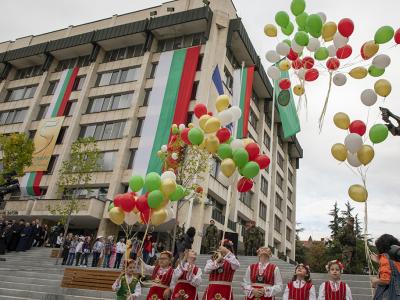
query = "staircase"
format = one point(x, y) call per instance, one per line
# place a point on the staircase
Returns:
point(33, 275)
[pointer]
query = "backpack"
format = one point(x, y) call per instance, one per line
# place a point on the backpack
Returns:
point(391, 291)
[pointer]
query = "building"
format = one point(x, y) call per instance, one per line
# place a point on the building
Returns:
point(118, 59)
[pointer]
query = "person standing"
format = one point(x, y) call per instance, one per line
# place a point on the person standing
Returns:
point(72, 251)
point(252, 234)
point(37, 233)
point(32, 234)
point(211, 237)
point(44, 237)
point(78, 250)
point(113, 254)
point(3, 226)
point(121, 248)
point(85, 251)
point(65, 250)
point(107, 251)
point(16, 234)
point(334, 288)
point(147, 248)
point(24, 241)
point(98, 247)
point(60, 239)
point(301, 287)
point(127, 285)
point(348, 240)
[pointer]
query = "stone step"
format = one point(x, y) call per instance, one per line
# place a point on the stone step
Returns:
point(26, 294)
point(30, 280)
point(43, 274)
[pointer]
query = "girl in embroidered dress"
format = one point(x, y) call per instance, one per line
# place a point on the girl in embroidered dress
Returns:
point(127, 284)
point(263, 280)
point(334, 288)
point(186, 278)
point(301, 287)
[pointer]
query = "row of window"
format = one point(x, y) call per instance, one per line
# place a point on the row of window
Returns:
point(12, 116)
point(124, 53)
point(117, 76)
point(29, 72)
point(68, 112)
point(21, 93)
point(181, 42)
point(108, 103)
point(81, 61)
point(103, 131)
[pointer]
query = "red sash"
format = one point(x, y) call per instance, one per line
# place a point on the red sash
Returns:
point(162, 280)
point(268, 276)
point(185, 288)
point(338, 295)
point(299, 293)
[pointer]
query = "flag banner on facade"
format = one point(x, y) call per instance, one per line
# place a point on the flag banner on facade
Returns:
point(216, 78)
point(47, 134)
point(242, 89)
point(168, 104)
point(288, 114)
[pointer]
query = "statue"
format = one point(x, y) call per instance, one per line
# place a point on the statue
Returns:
point(386, 115)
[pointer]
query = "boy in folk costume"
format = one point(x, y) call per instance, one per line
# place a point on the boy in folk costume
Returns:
point(262, 280)
point(186, 278)
point(334, 288)
point(221, 269)
point(301, 287)
point(127, 284)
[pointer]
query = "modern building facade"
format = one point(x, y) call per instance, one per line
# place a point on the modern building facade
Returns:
point(116, 61)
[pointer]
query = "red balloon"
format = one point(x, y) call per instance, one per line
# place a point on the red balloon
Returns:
point(199, 110)
point(292, 55)
point(358, 127)
point(297, 64)
point(253, 150)
point(128, 202)
point(210, 113)
point(311, 75)
point(244, 185)
point(397, 36)
point(141, 203)
point(185, 136)
point(118, 199)
point(344, 52)
point(145, 217)
point(263, 161)
point(284, 84)
point(223, 135)
point(308, 62)
point(346, 27)
point(333, 63)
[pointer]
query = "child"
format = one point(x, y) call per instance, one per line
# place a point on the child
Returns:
point(127, 284)
point(301, 287)
point(334, 289)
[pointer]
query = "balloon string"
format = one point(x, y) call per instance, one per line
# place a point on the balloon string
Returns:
point(323, 113)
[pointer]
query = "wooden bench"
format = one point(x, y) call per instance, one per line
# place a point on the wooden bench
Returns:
point(90, 279)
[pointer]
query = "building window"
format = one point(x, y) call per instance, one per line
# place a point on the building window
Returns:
point(189, 118)
point(277, 224)
point(246, 198)
point(232, 59)
point(106, 160)
point(147, 93)
point(262, 213)
point(117, 76)
point(52, 164)
point(42, 112)
point(78, 83)
point(278, 202)
point(228, 80)
point(153, 70)
point(31, 134)
point(52, 87)
point(290, 195)
point(288, 213)
point(107, 103)
point(13, 116)
point(181, 42)
point(29, 72)
point(70, 108)
point(123, 53)
point(279, 160)
point(267, 140)
point(288, 234)
point(86, 193)
point(290, 177)
point(21, 93)
point(215, 166)
point(217, 212)
point(253, 120)
point(131, 158)
point(70, 63)
point(255, 99)
point(139, 127)
point(61, 135)
point(194, 90)
point(279, 181)
point(264, 186)
point(200, 62)
point(103, 131)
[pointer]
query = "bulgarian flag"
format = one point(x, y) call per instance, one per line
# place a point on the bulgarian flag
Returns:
point(242, 89)
point(30, 182)
point(168, 104)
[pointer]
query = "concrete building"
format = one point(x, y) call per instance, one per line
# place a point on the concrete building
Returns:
point(117, 59)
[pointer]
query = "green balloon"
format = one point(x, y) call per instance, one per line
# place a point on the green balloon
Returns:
point(378, 133)
point(225, 151)
point(301, 38)
point(284, 97)
point(136, 183)
point(384, 35)
point(153, 181)
point(301, 19)
point(178, 194)
point(230, 140)
point(288, 30)
point(196, 136)
point(375, 72)
point(251, 170)
point(282, 18)
point(111, 206)
point(287, 42)
point(240, 157)
point(321, 54)
point(314, 25)
point(297, 7)
point(155, 199)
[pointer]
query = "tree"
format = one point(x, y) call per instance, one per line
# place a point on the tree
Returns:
point(336, 222)
point(357, 228)
point(317, 257)
point(75, 173)
point(347, 213)
point(300, 249)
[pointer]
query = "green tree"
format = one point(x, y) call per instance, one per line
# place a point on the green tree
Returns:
point(317, 257)
point(357, 228)
point(347, 213)
point(336, 222)
point(300, 249)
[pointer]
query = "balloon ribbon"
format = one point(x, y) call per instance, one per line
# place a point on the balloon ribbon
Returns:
point(323, 113)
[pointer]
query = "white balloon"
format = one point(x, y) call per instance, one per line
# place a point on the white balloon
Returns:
point(237, 144)
point(332, 50)
point(164, 148)
point(168, 174)
point(174, 156)
point(381, 61)
point(313, 44)
point(302, 73)
point(339, 79)
point(236, 112)
point(182, 126)
point(282, 49)
point(323, 16)
point(225, 117)
point(352, 159)
point(272, 56)
point(296, 47)
point(339, 40)
point(274, 73)
point(353, 142)
point(369, 97)
point(131, 218)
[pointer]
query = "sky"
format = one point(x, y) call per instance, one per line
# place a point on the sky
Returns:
point(321, 180)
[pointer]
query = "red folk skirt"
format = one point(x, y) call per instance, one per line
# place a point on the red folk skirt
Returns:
point(184, 290)
point(156, 293)
point(259, 286)
point(218, 291)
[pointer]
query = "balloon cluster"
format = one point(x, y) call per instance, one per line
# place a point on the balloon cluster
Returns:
point(354, 150)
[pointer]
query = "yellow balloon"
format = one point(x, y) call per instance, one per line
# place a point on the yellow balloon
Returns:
point(328, 31)
point(284, 65)
point(212, 125)
point(168, 186)
point(228, 167)
point(358, 73)
point(247, 141)
point(358, 193)
point(222, 103)
point(158, 217)
point(341, 120)
point(366, 154)
point(298, 90)
point(202, 121)
point(383, 87)
point(339, 152)
point(117, 215)
point(370, 49)
point(212, 144)
point(270, 30)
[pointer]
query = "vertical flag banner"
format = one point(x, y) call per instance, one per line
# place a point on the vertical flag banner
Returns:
point(216, 78)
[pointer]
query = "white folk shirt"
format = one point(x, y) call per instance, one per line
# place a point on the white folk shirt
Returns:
point(148, 270)
point(298, 284)
point(335, 287)
point(135, 294)
point(268, 291)
point(193, 279)
point(212, 265)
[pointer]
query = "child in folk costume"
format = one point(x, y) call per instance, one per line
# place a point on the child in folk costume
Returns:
point(127, 284)
point(186, 278)
point(262, 280)
point(334, 289)
point(221, 268)
point(301, 287)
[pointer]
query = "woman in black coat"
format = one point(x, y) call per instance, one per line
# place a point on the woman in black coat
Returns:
point(15, 234)
point(24, 241)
